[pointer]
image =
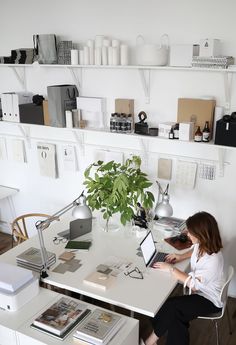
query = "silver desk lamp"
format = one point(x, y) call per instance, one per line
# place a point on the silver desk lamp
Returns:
point(81, 211)
point(163, 207)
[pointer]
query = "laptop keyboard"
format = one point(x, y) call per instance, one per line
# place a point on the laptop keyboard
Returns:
point(160, 257)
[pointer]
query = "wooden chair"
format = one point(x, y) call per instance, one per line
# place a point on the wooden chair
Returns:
point(20, 224)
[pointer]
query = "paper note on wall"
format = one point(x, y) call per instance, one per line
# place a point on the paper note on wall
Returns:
point(69, 158)
point(186, 174)
point(47, 159)
point(18, 150)
point(107, 156)
point(3, 149)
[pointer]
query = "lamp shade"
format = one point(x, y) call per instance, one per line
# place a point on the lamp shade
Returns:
point(82, 211)
point(164, 209)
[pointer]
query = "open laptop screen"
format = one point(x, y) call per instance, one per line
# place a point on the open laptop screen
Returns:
point(148, 248)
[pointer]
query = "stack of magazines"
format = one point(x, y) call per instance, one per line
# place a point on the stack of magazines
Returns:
point(99, 327)
point(177, 224)
point(212, 61)
point(61, 317)
point(31, 259)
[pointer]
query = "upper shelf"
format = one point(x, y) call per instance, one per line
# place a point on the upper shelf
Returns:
point(127, 67)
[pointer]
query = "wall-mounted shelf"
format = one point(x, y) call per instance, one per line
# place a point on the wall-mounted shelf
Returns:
point(144, 72)
point(133, 142)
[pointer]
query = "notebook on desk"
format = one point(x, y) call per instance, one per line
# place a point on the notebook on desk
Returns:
point(149, 251)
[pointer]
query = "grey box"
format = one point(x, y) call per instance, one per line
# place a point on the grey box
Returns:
point(60, 99)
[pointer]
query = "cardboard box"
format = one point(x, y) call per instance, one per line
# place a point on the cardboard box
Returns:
point(46, 113)
point(186, 131)
point(210, 47)
point(196, 110)
point(125, 106)
point(182, 54)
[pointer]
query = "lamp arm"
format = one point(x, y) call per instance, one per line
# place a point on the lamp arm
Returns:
point(44, 224)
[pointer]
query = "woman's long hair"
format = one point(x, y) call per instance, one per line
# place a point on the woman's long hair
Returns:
point(204, 227)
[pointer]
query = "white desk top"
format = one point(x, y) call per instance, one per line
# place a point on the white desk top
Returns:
point(7, 191)
point(143, 296)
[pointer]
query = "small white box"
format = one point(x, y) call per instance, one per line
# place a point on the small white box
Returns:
point(210, 47)
point(164, 129)
point(182, 54)
point(14, 300)
point(186, 131)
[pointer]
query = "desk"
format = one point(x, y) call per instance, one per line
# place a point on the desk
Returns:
point(15, 326)
point(8, 192)
point(142, 296)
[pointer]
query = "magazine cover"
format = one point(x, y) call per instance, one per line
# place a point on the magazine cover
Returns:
point(171, 222)
point(99, 327)
point(60, 316)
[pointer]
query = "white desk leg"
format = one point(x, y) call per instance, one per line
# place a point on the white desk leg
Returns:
point(12, 209)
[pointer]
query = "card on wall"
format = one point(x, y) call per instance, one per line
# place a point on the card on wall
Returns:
point(107, 156)
point(69, 158)
point(18, 151)
point(3, 149)
point(47, 159)
point(186, 174)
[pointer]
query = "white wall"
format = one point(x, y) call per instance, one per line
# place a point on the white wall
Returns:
point(185, 21)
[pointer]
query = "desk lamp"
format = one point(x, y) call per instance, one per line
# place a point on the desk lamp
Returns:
point(163, 207)
point(81, 211)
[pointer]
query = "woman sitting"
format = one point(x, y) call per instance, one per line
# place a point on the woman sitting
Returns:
point(204, 281)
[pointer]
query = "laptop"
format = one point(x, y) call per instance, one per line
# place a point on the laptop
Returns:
point(149, 251)
point(78, 227)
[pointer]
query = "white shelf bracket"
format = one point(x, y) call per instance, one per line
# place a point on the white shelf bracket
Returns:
point(77, 78)
point(79, 137)
point(227, 87)
point(221, 157)
point(145, 80)
point(21, 76)
point(26, 134)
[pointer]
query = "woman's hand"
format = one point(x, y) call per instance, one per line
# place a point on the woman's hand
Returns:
point(164, 266)
point(173, 258)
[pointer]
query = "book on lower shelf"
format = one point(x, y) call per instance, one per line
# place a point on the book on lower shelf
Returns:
point(174, 223)
point(61, 317)
point(99, 280)
point(99, 327)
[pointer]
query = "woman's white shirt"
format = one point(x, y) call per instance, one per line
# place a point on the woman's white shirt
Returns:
point(207, 275)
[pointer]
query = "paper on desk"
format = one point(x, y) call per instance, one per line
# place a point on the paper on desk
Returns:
point(117, 265)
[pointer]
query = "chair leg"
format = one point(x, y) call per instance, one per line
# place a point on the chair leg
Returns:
point(229, 321)
point(217, 332)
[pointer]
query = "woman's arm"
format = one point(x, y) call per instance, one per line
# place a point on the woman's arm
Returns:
point(173, 258)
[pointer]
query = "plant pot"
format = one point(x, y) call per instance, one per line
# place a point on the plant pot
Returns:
point(110, 225)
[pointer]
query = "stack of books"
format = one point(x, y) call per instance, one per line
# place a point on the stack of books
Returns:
point(221, 62)
point(61, 317)
point(99, 327)
point(173, 223)
point(31, 259)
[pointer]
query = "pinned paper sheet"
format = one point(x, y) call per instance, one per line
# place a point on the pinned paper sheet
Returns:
point(3, 149)
point(164, 168)
point(18, 150)
point(186, 174)
point(69, 158)
point(107, 156)
point(47, 159)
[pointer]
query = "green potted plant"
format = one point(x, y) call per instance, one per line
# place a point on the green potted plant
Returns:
point(117, 188)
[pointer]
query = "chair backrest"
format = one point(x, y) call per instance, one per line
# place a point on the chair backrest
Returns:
point(224, 291)
point(19, 225)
